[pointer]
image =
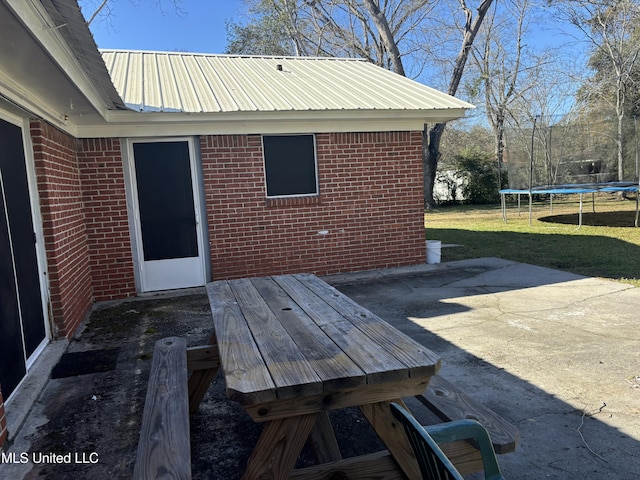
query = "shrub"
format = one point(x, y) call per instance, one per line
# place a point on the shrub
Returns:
point(479, 172)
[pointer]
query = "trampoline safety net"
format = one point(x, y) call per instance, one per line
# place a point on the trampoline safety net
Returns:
point(568, 150)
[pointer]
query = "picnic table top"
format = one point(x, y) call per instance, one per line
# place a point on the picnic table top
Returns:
point(295, 336)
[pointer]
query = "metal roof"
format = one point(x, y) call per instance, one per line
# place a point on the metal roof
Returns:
point(205, 83)
point(73, 27)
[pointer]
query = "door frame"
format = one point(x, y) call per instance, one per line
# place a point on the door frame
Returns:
point(197, 185)
point(36, 219)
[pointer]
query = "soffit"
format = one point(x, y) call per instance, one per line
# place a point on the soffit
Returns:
point(47, 65)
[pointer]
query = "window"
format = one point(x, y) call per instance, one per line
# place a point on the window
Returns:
point(290, 165)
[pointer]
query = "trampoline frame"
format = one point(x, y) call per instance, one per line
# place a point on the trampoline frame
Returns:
point(580, 189)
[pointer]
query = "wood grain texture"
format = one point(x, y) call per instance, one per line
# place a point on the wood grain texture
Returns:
point(246, 376)
point(278, 448)
point(288, 366)
point(464, 456)
point(376, 362)
point(374, 466)
point(304, 337)
point(203, 357)
point(322, 440)
point(164, 449)
point(203, 363)
point(293, 347)
point(398, 347)
point(393, 435)
point(451, 403)
point(335, 369)
point(363, 394)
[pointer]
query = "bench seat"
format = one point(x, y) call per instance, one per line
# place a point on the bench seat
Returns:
point(450, 403)
point(164, 449)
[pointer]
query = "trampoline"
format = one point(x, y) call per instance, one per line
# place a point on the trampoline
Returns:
point(563, 155)
point(580, 189)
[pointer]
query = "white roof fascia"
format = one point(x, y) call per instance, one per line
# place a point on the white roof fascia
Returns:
point(135, 124)
point(38, 22)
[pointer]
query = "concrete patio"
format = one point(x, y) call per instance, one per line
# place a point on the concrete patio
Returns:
point(556, 354)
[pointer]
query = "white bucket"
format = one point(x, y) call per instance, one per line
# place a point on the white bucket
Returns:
point(434, 250)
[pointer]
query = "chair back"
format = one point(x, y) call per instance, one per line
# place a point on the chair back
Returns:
point(434, 465)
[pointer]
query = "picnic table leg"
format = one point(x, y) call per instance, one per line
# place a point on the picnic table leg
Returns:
point(203, 362)
point(393, 435)
point(322, 439)
point(278, 447)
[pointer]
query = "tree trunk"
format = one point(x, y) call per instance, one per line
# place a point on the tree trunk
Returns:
point(386, 35)
point(500, 150)
point(432, 137)
point(620, 107)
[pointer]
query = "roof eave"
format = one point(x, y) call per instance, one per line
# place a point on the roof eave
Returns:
point(139, 124)
point(82, 68)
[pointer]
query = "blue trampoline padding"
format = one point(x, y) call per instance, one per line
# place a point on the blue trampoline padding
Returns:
point(577, 188)
point(513, 191)
point(620, 189)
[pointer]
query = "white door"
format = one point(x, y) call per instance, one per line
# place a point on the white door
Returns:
point(168, 225)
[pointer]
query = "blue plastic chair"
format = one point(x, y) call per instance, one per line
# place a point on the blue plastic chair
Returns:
point(434, 464)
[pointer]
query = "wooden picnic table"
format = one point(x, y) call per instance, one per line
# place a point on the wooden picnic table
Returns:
point(293, 347)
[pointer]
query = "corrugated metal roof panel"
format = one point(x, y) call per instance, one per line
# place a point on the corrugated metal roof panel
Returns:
point(200, 83)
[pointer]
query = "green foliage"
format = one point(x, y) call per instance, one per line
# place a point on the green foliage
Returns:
point(460, 138)
point(265, 35)
point(480, 176)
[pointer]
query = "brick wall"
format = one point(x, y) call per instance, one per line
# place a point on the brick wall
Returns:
point(369, 211)
point(370, 206)
point(64, 226)
point(106, 220)
point(85, 223)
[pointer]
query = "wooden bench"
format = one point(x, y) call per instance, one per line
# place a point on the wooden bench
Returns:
point(164, 449)
point(450, 403)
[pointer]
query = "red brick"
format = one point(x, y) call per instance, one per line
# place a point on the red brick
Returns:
point(106, 218)
point(370, 202)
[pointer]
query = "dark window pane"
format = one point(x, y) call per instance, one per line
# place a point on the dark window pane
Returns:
point(12, 365)
point(18, 204)
point(290, 165)
point(165, 198)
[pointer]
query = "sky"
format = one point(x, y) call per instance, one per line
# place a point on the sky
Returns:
point(141, 25)
point(198, 28)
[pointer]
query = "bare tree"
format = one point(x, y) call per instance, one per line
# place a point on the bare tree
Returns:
point(97, 10)
point(610, 27)
point(503, 62)
point(381, 32)
point(103, 9)
point(432, 135)
point(387, 39)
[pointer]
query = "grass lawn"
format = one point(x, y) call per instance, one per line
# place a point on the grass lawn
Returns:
point(607, 245)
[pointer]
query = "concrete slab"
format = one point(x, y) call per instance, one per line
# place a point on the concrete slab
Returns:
point(17, 410)
point(557, 354)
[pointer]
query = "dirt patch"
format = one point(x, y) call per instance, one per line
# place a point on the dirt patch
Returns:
point(97, 416)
